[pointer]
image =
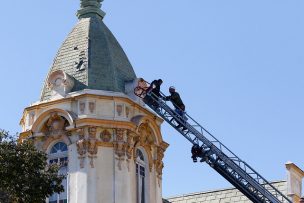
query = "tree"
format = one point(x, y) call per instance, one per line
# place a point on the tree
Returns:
point(25, 176)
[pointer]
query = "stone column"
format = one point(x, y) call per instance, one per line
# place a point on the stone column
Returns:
point(294, 182)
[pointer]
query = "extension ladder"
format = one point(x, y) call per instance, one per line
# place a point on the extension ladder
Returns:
point(215, 153)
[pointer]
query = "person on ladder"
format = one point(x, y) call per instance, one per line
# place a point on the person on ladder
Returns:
point(154, 89)
point(178, 105)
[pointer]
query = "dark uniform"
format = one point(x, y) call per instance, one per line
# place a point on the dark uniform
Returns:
point(176, 101)
point(155, 93)
point(156, 90)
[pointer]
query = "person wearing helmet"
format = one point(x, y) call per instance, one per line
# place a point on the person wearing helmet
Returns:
point(175, 99)
point(177, 103)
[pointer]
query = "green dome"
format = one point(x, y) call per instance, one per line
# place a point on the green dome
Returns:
point(92, 56)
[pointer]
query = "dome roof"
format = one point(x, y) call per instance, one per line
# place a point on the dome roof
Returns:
point(91, 55)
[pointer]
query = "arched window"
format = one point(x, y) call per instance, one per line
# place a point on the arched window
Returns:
point(59, 155)
point(141, 180)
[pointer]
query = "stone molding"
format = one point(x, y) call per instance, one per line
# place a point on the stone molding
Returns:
point(60, 83)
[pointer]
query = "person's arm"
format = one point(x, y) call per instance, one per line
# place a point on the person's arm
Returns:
point(149, 89)
point(174, 97)
point(167, 98)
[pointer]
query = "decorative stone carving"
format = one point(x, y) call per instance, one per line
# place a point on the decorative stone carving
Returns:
point(120, 146)
point(82, 106)
point(60, 83)
point(159, 165)
point(80, 132)
point(81, 149)
point(92, 145)
point(119, 108)
point(92, 107)
point(127, 111)
point(92, 149)
point(106, 136)
point(129, 148)
point(92, 132)
point(55, 126)
point(120, 134)
point(130, 144)
point(146, 135)
point(88, 145)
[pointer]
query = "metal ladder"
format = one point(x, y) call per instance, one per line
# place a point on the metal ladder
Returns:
point(215, 153)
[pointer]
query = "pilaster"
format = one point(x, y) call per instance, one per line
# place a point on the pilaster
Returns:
point(294, 182)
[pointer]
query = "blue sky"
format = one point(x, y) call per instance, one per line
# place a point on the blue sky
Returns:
point(237, 64)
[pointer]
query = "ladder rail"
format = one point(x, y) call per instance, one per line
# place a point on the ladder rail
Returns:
point(199, 133)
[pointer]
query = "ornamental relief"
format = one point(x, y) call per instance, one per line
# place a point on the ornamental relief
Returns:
point(120, 146)
point(147, 136)
point(92, 107)
point(82, 107)
point(124, 142)
point(55, 126)
point(106, 136)
point(119, 110)
point(159, 165)
point(87, 146)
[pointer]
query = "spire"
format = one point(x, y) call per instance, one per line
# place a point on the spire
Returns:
point(89, 8)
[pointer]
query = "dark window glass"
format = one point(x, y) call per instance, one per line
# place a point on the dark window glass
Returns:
point(59, 147)
point(140, 155)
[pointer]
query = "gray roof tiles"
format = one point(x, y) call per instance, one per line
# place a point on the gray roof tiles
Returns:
point(230, 195)
point(106, 66)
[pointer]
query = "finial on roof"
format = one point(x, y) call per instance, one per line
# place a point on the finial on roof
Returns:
point(89, 8)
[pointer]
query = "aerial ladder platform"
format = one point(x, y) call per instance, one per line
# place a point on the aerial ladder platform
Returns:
point(213, 152)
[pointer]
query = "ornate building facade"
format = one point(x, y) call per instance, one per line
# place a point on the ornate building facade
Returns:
point(88, 120)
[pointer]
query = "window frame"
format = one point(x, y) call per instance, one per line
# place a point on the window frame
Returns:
point(62, 158)
point(139, 163)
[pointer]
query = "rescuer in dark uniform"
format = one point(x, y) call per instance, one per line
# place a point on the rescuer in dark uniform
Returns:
point(154, 89)
point(177, 103)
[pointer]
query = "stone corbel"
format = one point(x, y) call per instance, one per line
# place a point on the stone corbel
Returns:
point(92, 145)
point(120, 146)
point(92, 149)
point(81, 149)
point(129, 147)
point(159, 170)
point(159, 165)
point(87, 145)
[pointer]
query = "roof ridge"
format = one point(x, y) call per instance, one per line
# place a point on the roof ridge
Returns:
point(215, 190)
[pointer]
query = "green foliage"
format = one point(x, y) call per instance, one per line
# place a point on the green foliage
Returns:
point(25, 176)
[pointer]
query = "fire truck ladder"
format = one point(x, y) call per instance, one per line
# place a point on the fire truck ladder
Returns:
point(215, 153)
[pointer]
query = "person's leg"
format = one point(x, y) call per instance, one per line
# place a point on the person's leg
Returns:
point(181, 113)
point(155, 103)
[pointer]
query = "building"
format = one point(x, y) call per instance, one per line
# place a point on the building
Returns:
point(89, 121)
